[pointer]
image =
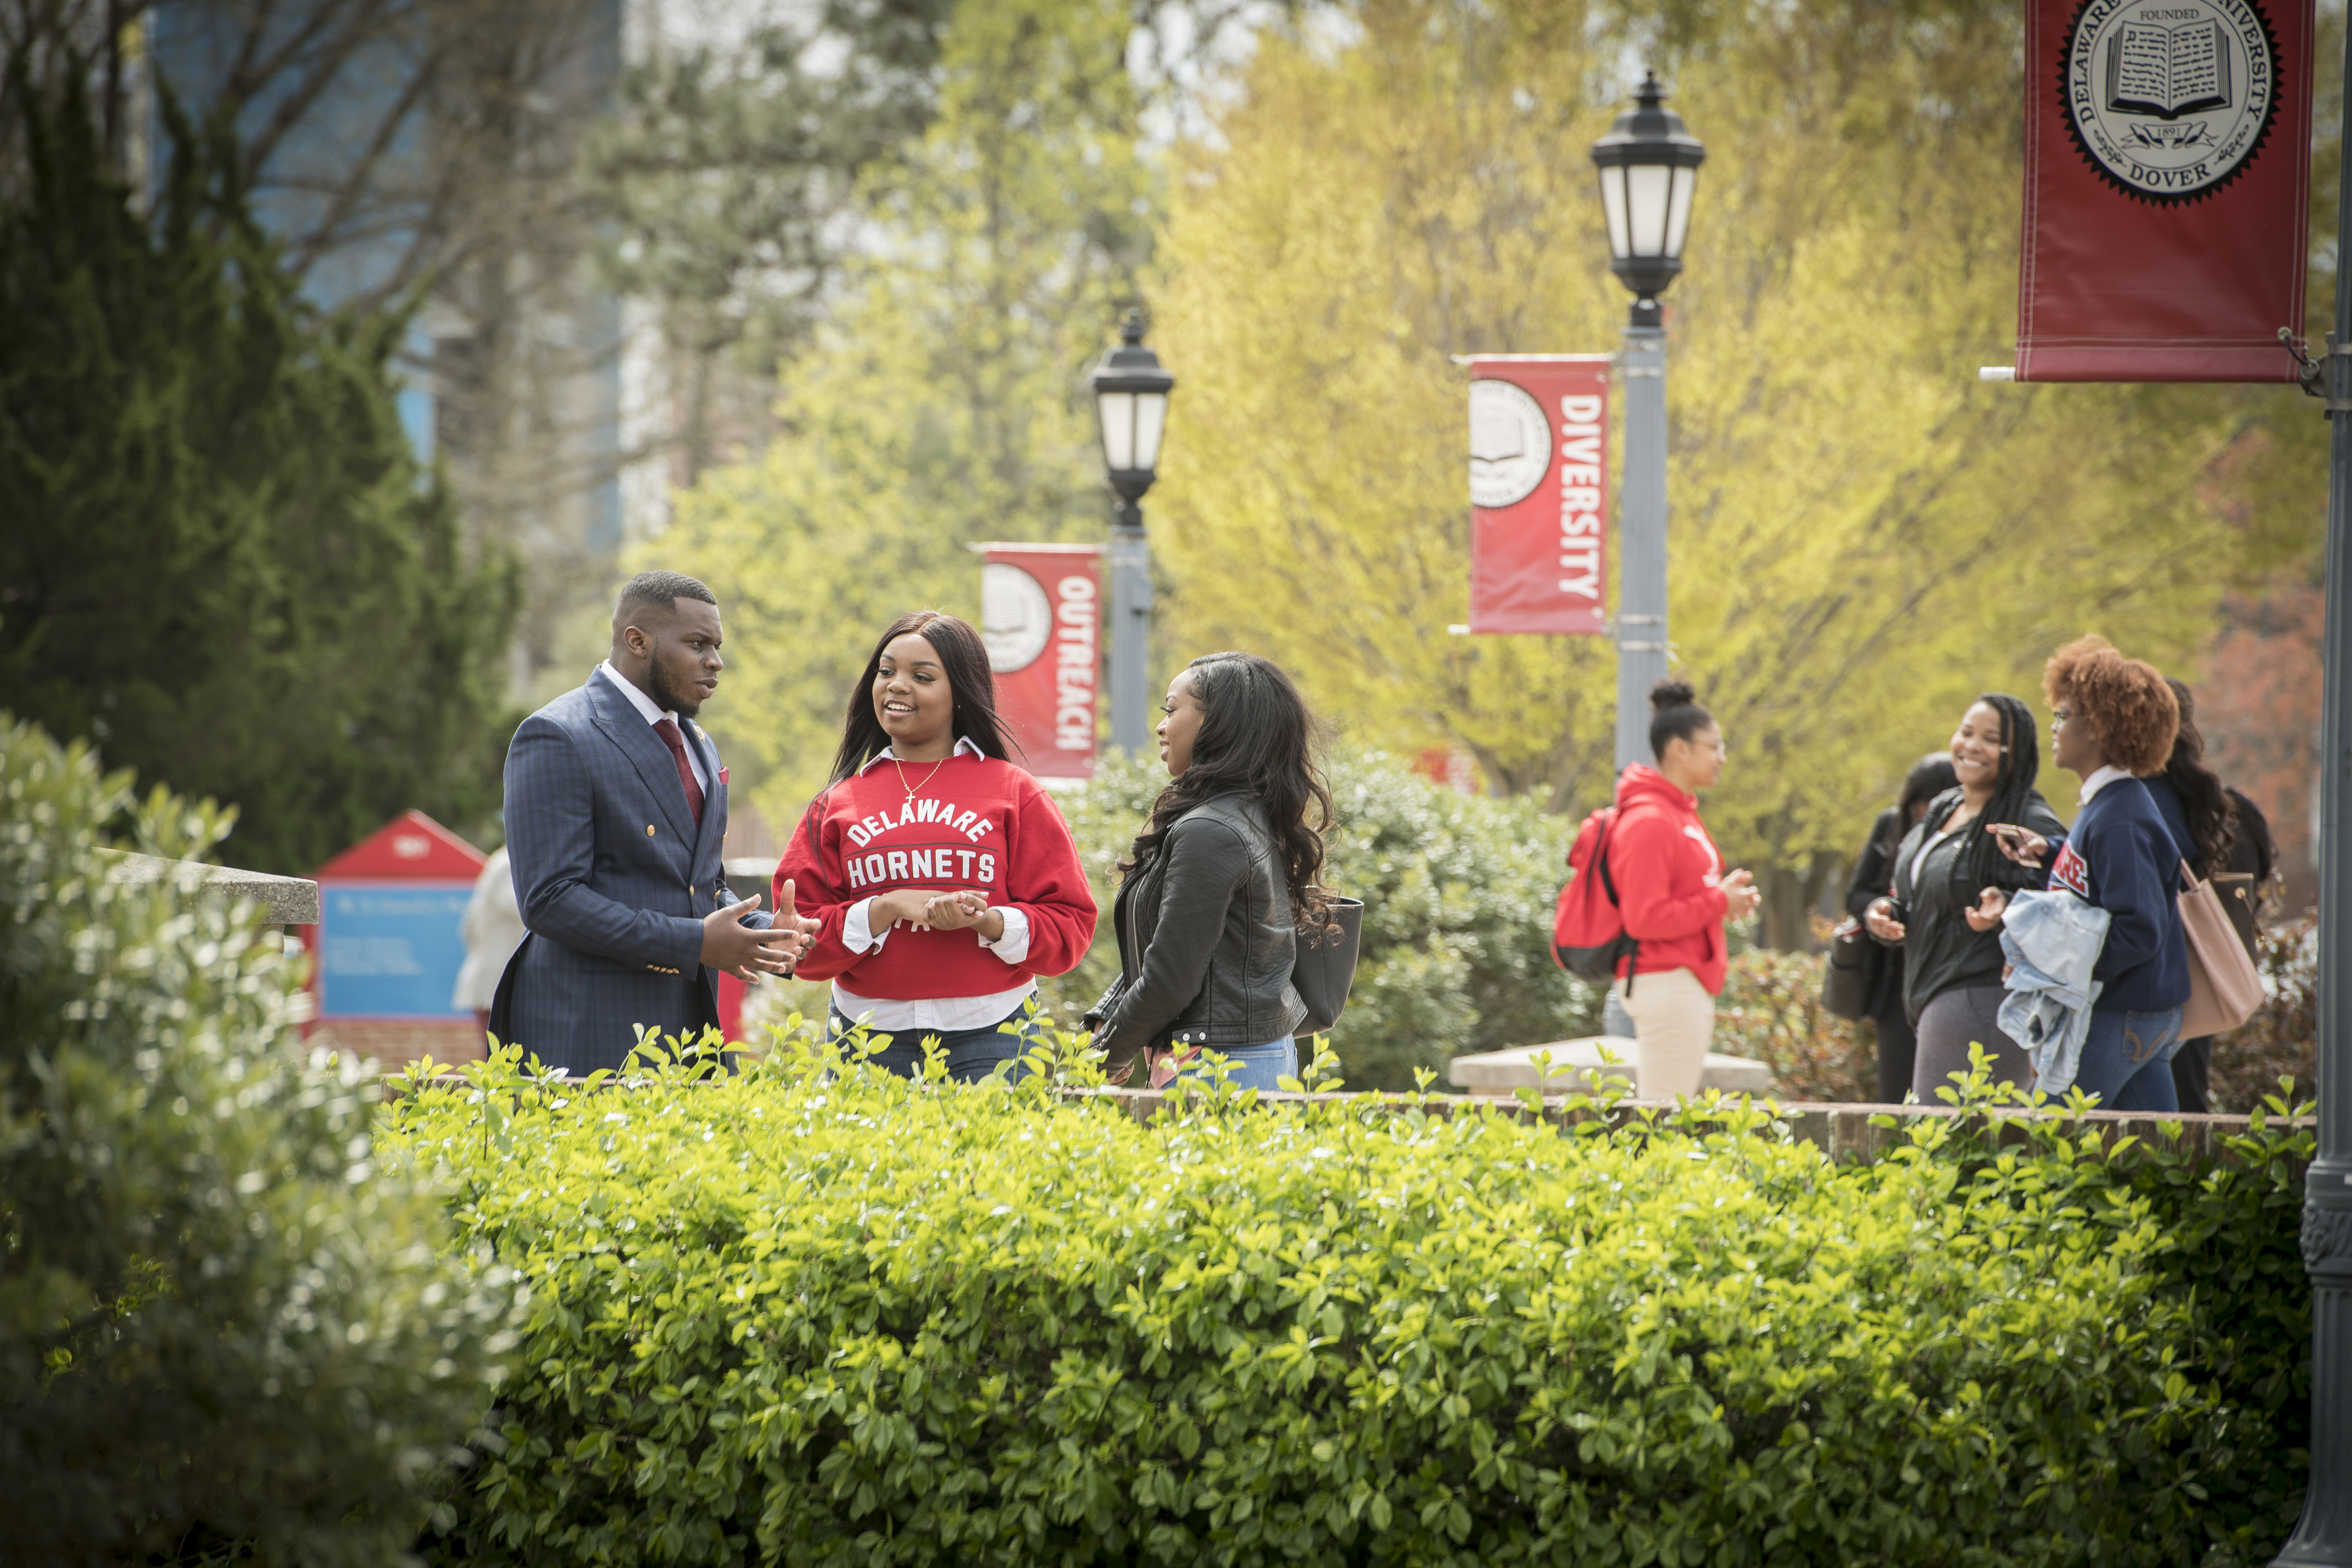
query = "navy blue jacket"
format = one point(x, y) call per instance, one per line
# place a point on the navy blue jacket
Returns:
point(2176, 820)
point(2120, 856)
point(614, 877)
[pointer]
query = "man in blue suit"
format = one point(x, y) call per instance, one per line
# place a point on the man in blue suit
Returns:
point(616, 809)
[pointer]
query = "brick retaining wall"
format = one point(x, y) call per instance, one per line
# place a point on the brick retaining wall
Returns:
point(1847, 1131)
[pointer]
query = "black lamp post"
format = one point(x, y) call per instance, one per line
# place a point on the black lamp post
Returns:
point(1131, 404)
point(2324, 1535)
point(1649, 170)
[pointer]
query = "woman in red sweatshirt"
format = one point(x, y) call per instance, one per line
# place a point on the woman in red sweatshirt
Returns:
point(1673, 894)
point(943, 878)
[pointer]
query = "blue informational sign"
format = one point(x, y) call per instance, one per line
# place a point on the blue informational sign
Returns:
point(391, 950)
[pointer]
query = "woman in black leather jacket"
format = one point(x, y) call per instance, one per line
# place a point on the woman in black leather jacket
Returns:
point(1223, 879)
point(1874, 874)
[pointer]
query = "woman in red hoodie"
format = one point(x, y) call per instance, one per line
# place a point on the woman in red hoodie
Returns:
point(1673, 894)
point(943, 878)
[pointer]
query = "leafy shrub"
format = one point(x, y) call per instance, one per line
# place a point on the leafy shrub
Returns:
point(2236, 1263)
point(222, 1328)
point(1458, 893)
point(809, 1317)
point(2232, 1263)
point(1771, 1011)
point(2282, 1040)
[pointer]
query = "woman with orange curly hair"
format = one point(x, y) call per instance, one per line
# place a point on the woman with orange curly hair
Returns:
point(2112, 722)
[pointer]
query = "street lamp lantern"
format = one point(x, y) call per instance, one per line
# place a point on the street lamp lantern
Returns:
point(1649, 170)
point(1131, 402)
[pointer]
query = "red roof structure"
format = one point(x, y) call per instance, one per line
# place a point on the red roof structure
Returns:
point(411, 847)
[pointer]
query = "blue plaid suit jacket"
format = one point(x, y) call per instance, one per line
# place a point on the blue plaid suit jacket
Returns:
point(614, 880)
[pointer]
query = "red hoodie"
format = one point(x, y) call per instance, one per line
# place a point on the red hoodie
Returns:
point(975, 823)
point(1669, 879)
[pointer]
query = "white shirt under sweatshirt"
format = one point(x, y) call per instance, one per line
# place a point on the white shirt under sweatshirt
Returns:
point(934, 1015)
point(2101, 780)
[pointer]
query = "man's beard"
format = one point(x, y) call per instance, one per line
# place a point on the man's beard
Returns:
point(685, 702)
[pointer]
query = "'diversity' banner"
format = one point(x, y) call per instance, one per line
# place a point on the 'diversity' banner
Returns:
point(1539, 492)
point(2167, 149)
point(1040, 616)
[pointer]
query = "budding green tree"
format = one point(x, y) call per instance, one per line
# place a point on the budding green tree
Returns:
point(1862, 536)
point(943, 403)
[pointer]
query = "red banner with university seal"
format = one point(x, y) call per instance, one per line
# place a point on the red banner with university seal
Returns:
point(2168, 164)
point(1041, 616)
point(1539, 492)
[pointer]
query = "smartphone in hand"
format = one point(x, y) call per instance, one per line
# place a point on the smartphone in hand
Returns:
point(2018, 845)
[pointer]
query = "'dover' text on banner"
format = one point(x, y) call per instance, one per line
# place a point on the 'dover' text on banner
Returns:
point(2167, 163)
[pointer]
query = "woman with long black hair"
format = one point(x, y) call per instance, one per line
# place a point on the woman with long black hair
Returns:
point(1949, 868)
point(928, 832)
point(2222, 835)
point(1224, 878)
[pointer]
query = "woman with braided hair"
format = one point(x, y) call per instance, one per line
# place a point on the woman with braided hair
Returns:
point(1950, 880)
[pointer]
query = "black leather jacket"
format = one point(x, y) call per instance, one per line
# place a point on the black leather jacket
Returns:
point(1206, 942)
point(1940, 952)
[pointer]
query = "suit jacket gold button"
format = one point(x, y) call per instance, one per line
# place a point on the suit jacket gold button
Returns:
point(649, 830)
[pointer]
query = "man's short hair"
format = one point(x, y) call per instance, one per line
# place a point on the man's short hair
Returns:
point(653, 595)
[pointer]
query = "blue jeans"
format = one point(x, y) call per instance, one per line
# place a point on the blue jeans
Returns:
point(1254, 1067)
point(2126, 1060)
point(972, 1054)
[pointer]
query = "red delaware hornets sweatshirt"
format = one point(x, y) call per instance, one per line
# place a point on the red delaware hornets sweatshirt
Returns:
point(977, 823)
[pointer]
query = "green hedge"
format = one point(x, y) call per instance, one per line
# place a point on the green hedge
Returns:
point(805, 1318)
point(229, 1330)
point(1458, 893)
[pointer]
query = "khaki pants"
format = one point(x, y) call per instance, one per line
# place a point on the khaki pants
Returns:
point(1674, 1017)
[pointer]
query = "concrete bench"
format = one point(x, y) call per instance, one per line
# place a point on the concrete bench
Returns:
point(1577, 1068)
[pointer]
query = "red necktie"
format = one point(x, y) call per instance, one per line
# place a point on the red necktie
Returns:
point(668, 729)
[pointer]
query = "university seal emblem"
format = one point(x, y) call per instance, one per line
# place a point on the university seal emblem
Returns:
point(2168, 100)
point(1510, 444)
point(1016, 619)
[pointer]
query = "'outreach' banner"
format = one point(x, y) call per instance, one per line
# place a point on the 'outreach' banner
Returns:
point(1539, 492)
point(2168, 152)
point(1040, 614)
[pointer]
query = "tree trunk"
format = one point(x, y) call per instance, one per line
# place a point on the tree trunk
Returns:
point(1792, 894)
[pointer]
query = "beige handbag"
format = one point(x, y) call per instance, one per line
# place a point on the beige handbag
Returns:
point(2224, 986)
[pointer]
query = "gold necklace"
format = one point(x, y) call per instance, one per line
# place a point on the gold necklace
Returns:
point(912, 790)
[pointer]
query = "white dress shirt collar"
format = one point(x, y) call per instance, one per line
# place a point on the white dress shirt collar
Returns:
point(652, 715)
point(964, 748)
point(653, 712)
point(2101, 780)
